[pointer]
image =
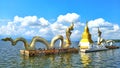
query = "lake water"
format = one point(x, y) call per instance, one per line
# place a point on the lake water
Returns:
point(10, 58)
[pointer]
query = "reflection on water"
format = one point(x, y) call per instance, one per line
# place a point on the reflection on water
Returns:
point(10, 58)
point(85, 59)
point(52, 61)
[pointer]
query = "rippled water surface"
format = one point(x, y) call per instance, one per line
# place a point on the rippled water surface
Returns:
point(10, 58)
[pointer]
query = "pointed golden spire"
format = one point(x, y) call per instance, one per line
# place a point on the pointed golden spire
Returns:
point(86, 36)
point(86, 41)
point(86, 28)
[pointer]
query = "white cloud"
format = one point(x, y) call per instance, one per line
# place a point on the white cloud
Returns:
point(30, 26)
point(44, 31)
point(69, 17)
point(116, 27)
point(18, 19)
point(44, 22)
point(58, 29)
point(100, 22)
point(26, 21)
point(76, 34)
point(78, 25)
point(29, 20)
point(11, 29)
point(109, 30)
point(30, 33)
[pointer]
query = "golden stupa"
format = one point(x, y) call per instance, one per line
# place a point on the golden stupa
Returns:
point(86, 38)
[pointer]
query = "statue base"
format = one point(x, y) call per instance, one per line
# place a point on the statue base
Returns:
point(84, 45)
point(87, 47)
point(48, 52)
point(93, 50)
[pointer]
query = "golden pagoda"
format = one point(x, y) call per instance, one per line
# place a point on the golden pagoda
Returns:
point(86, 39)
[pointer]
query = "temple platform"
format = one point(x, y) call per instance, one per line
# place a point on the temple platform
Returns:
point(48, 51)
point(112, 47)
point(93, 50)
point(99, 49)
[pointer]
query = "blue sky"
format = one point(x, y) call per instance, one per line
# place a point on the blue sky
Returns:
point(88, 9)
point(106, 12)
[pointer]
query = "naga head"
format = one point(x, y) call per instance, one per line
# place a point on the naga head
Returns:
point(9, 39)
point(6, 39)
point(72, 26)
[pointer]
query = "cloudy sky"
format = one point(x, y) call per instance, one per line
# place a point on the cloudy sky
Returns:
point(48, 18)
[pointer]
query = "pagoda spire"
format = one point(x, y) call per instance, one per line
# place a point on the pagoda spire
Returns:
point(86, 38)
point(86, 28)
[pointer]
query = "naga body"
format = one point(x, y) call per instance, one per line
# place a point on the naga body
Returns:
point(35, 39)
point(102, 41)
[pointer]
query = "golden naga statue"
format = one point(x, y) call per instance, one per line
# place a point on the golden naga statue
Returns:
point(68, 33)
point(99, 32)
point(35, 39)
point(100, 40)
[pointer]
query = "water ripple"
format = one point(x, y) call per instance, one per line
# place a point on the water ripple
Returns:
point(11, 58)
